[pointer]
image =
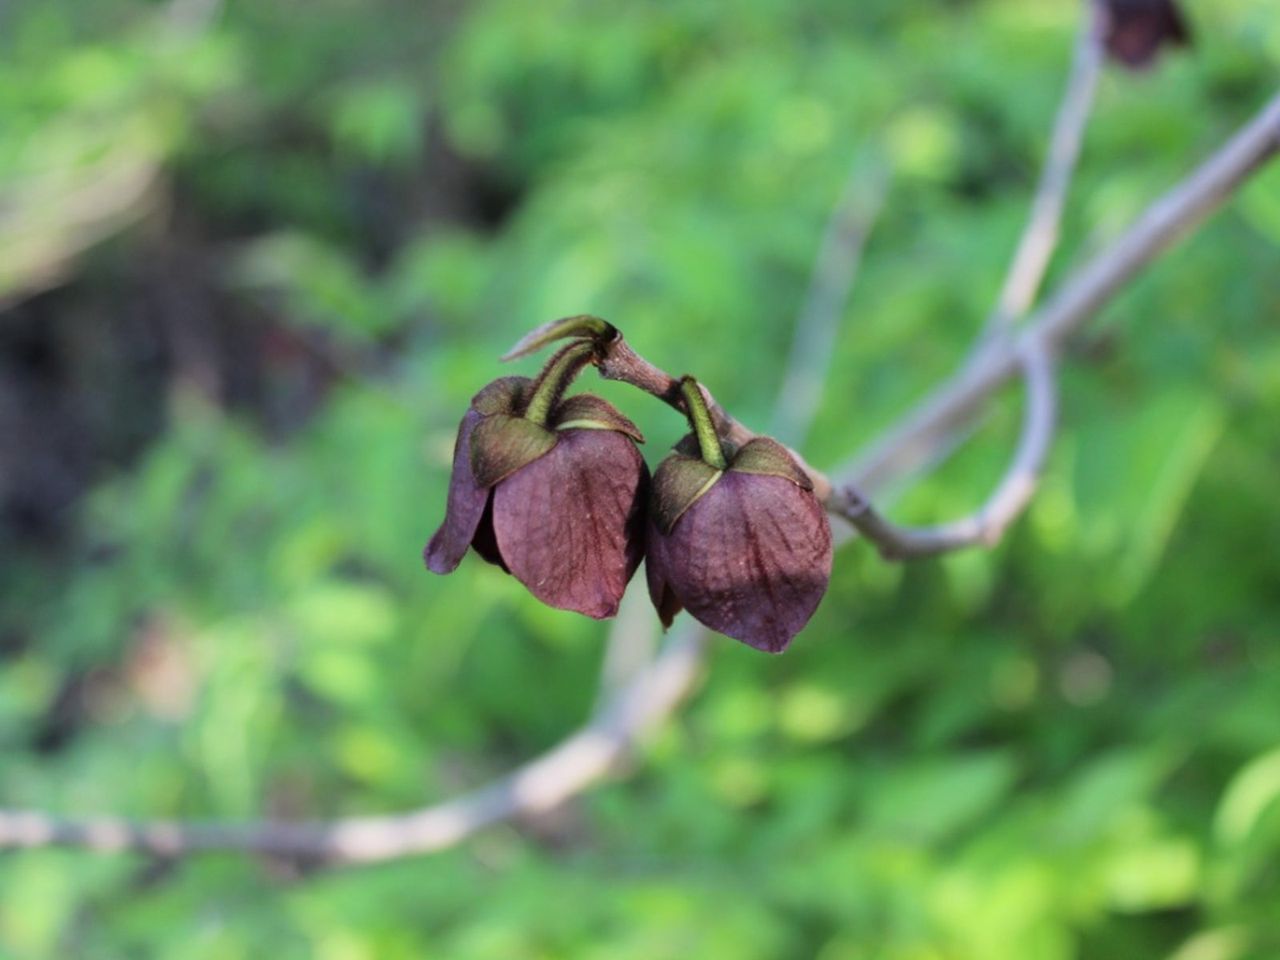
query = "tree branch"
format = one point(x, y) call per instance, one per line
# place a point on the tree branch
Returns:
point(1040, 236)
point(1078, 300)
point(535, 787)
point(985, 526)
point(834, 274)
point(1027, 269)
point(594, 750)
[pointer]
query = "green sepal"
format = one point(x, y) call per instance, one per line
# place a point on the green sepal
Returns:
point(677, 485)
point(501, 444)
point(587, 412)
point(766, 456)
point(688, 446)
point(583, 326)
point(504, 395)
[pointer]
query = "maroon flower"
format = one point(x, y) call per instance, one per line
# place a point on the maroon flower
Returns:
point(1135, 30)
point(738, 539)
point(550, 490)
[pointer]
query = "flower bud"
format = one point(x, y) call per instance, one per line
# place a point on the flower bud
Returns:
point(551, 490)
point(746, 548)
point(1135, 30)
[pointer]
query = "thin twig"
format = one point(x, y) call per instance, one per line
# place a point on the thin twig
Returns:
point(535, 787)
point(190, 19)
point(909, 443)
point(1026, 273)
point(835, 271)
point(987, 525)
point(1040, 236)
point(617, 360)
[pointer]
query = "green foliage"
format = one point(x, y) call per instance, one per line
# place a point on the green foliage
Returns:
point(1062, 749)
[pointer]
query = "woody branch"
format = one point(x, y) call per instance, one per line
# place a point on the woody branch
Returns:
point(655, 690)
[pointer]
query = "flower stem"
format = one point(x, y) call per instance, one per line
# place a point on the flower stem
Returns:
point(555, 378)
point(704, 427)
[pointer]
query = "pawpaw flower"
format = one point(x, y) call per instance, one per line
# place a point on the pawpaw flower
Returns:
point(551, 490)
point(736, 536)
point(1135, 30)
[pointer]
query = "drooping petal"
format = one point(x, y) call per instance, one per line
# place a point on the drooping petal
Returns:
point(464, 507)
point(570, 524)
point(485, 542)
point(750, 559)
point(661, 594)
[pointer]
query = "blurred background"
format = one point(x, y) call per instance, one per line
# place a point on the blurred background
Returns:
point(256, 256)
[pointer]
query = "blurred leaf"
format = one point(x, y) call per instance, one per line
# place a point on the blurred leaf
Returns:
point(1136, 480)
point(379, 122)
point(927, 801)
point(321, 284)
point(1249, 795)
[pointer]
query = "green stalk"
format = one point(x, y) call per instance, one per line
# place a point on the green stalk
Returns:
point(704, 427)
point(555, 378)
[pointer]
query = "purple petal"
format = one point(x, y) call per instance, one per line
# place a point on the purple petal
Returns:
point(485, 542)
point(655, 574)
point(569, 524)
point(463, 509)
point(751, 559)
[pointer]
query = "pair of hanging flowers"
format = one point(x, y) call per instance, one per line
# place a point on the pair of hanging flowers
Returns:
point(553, 489)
